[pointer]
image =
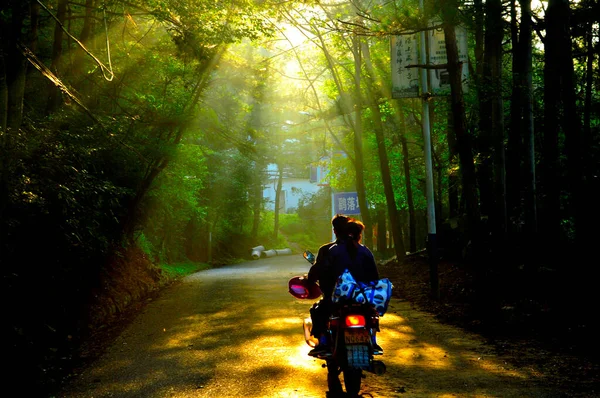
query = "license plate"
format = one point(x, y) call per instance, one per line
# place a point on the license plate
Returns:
point(356, 336)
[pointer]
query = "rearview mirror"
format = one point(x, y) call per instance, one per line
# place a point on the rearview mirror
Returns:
point(309, 257)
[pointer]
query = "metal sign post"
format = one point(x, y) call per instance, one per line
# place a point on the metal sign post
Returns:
point(431, 227)
point(405, 84)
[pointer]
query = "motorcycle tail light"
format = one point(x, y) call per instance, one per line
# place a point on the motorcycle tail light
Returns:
point(353, 321)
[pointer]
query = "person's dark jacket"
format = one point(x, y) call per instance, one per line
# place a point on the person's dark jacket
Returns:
point(356, 258)
point(321, 272)
point(333, 258)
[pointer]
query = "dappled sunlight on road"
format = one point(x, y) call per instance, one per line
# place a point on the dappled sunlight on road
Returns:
point(430, 359)
point(397, 333)
point(502, 369)
point(414, 351)
point(222, 335)
point(426, 355)
point(292, 355)
point(267, 364)
point(281, 323)
point(472, 395)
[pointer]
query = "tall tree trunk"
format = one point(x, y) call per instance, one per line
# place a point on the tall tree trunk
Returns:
point(479, 38)
point(384, 164)
point(34, 14)
point(86, 30)
point(4, 164)
point(592, 184)
point(589, 83)
point(85, 37)
point(498, 135)
point(527, 130)
point(578, 279)
point(486, 92)
point(463, 140)
point(257, 200)
point(412, 217)
point(3, 95)
point(277, 200)
point(259, 176)
point(551, 178)
point(453, 175)
point(572, 129)
point(515, 138)
point(358, 145)
point(16, 70)
point(381, 230)
point(356, 125)
point(400, 122)
point(492, 180)
point(57, 50)
point(12, 86)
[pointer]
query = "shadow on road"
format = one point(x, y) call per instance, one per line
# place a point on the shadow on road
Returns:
point(236, 332)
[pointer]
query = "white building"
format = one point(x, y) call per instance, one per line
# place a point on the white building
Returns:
point(292, 188)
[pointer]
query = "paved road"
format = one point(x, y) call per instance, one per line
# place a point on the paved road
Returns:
point(236, 332)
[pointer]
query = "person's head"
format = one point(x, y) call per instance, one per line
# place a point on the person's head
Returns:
point(354, 230)
point(339, 222)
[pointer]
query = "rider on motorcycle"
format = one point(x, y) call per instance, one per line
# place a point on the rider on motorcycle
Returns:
point(345, 253)
point(321, 272)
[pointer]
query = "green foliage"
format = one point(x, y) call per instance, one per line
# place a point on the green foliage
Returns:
point(210, 23)
point(265, 236)
point(299, 232)
point(314, 210)
point(178, 270)
point(173, 203)
point(296, 232)
point(70, 175)
point(145, 245)
point(179, 141)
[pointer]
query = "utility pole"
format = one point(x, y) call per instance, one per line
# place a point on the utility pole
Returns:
point(431, 227)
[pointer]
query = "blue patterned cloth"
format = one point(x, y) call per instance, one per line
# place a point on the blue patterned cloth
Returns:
point(344, 287)
point(377, 293)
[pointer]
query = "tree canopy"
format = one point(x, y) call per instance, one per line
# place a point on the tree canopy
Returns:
point(153, 124)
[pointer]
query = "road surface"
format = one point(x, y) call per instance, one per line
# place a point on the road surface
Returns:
point(236, 332)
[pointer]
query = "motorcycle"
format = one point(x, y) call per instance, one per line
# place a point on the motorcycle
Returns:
point(350, 333)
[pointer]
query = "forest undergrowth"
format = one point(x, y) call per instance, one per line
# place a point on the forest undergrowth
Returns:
point(533, 335)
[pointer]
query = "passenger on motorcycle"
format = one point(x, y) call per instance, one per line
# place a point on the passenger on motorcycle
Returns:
point(345, 253)
point(322, 273)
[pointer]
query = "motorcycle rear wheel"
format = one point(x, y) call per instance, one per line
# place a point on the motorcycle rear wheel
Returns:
point(352, 381)
point(333, 379)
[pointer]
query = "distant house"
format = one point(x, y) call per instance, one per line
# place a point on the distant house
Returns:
point(292, 188)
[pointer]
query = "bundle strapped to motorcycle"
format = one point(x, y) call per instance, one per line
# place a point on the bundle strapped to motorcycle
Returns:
point(376, 293)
